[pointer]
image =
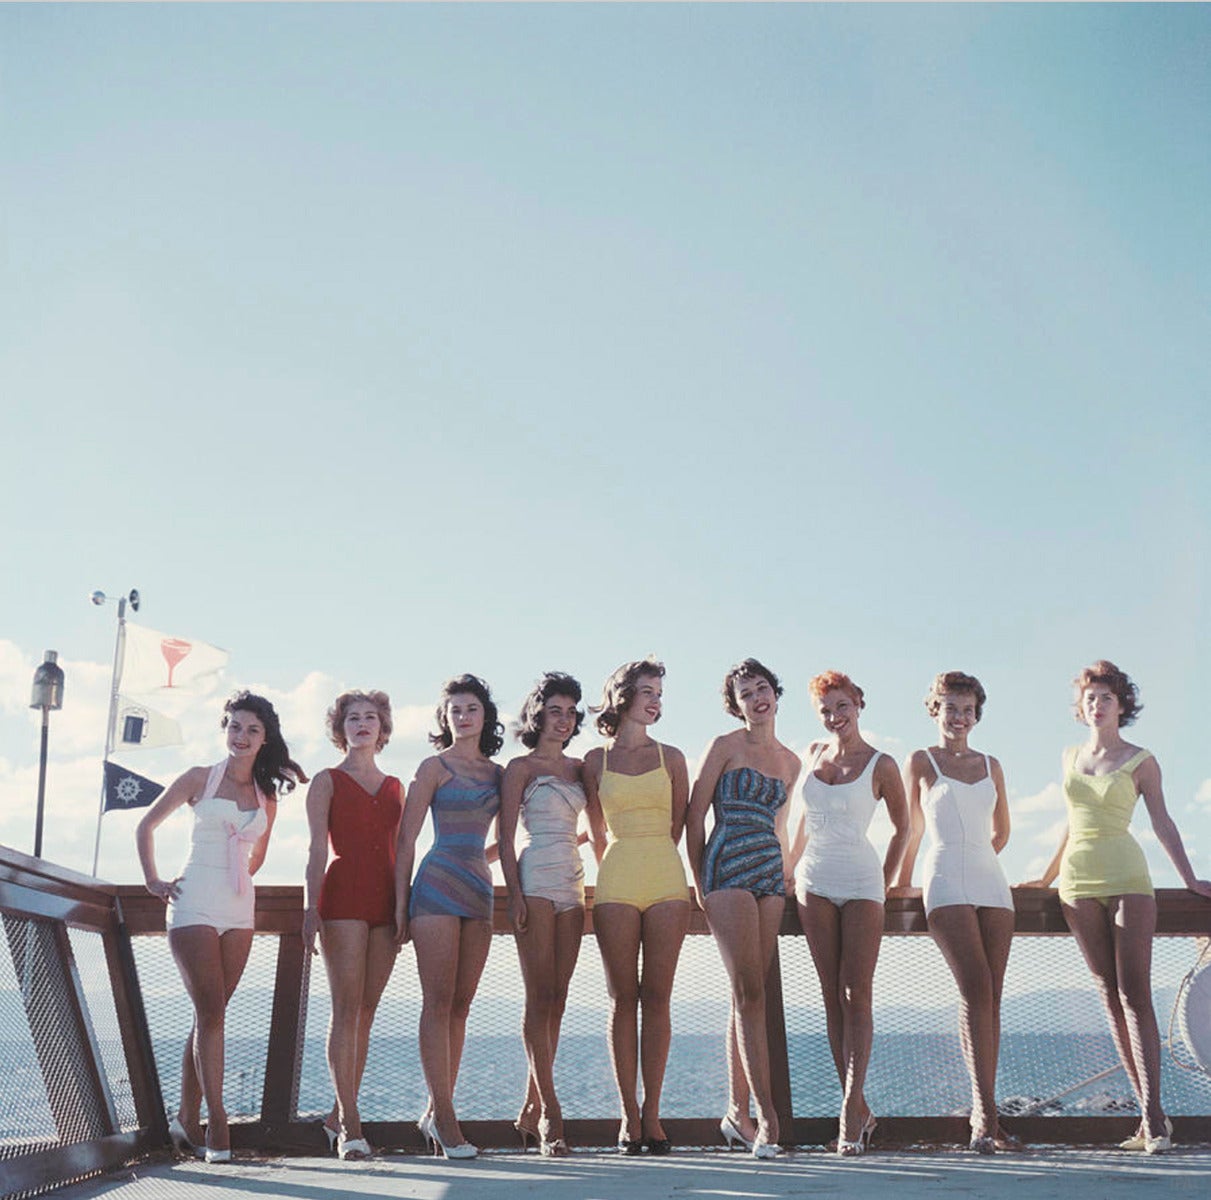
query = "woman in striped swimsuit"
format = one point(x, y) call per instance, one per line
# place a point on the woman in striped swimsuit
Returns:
point(741, 874)
point(446, 911)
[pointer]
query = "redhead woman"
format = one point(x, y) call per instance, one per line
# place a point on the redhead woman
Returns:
point(741, 873)
point(446, 911)
point(959, 793)
point(543, 791)
point(355, 807)
point(840, 885)
point(1105, 890)
point(212, 904)
point(637, 790)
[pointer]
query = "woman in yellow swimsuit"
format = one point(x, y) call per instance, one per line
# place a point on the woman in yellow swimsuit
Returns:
point(1105, 890)
point(637, 791)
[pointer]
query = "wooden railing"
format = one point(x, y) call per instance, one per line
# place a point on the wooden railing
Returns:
point(40, 902)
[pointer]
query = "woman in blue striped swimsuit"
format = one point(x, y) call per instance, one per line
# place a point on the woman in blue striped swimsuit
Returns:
point(446, 911)
point(741, 874)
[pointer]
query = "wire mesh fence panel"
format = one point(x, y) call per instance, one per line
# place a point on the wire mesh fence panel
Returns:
point(26, 1121)
point(170, 1016)
point(1056, 1058)
point(58, 1081)
point(492, 1078)
point(393, 1086)
point(88, 949)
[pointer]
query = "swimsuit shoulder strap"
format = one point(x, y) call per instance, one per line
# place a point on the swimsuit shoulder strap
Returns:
point(213, 779)
point(660, 751)
point(933, 762)
point(1135, 760)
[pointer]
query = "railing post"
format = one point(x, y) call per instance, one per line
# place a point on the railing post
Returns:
point(279, 1100)
point(132, 1021)
point(775, 1036)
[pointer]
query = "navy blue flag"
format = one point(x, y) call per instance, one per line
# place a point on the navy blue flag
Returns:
point(125, 789)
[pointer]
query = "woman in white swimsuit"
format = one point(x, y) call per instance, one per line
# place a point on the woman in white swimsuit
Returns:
point(543, 790)
point(840, 885)
point(211, 904)
point(959, 794)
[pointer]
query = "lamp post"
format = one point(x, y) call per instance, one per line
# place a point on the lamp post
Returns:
point(47, 694)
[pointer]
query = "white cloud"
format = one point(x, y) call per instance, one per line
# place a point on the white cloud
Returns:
point(1050, 799)
point(896, 747)
point(1202, 796)
point(77, 744)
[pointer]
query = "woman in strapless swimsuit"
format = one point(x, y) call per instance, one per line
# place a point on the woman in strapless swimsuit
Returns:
point(840, 885)
point(741, 873)
point(959, 794)
point(1105, 890)
point(637, 791)
point(351, 906)
point(543, 790)
point(212, 903)
point(446, 911)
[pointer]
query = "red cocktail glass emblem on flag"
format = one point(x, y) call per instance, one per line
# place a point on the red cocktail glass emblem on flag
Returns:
point(174, 649)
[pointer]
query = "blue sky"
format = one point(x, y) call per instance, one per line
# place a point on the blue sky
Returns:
point(377, 343)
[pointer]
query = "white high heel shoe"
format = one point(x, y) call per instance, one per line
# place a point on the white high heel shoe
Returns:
point(731, 1133)
point(180, 1139)
point(763, 1149)
point(352, 1149)
point(462, 1150)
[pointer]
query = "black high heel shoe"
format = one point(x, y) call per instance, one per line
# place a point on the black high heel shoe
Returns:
point(658, 1146)
point(628, 1145)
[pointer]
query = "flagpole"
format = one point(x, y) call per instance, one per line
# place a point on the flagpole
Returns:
point(119, 646)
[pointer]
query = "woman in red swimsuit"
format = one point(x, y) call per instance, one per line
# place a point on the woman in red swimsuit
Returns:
point(352, 907)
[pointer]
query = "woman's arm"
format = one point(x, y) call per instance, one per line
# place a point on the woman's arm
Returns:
point(790, 776)
point(915, 768)
point(1053, 867)
point(1000, 813)
point(517, 775)
point(891, 792)
point(256, 858)
point(590, 777)
point(181, 791)
point(1148, 781)
point(420, 796)
point(700, 802)
point(679, 773)
point(797, 824)
point(319, 804)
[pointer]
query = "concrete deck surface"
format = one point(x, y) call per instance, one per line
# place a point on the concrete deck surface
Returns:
point(1050, 1173)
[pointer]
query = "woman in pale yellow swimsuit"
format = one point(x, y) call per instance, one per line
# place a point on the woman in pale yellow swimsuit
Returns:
point(1105, 890)
point(637, 791)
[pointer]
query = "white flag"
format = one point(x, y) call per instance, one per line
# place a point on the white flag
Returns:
point(156, 664)
point(137, 727)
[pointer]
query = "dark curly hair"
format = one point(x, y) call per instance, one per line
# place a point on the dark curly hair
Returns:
point(340, 710)
point(954, 681)
point(750, 668)
point(835, 681)
point(619, 690)
point(491, 737)
point(530, 722)
point(1119, 682)
point(274, 770)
